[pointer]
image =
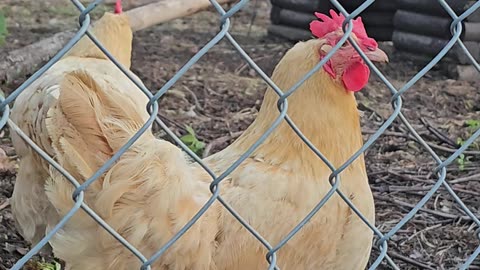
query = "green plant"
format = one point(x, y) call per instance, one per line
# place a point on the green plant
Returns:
point(192, 141)
point(461, 161)
point(473, 124)
point(460, 141)
point(3, 28)
point(49, 266)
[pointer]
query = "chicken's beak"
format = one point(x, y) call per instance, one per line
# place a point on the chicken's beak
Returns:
point(377, 55)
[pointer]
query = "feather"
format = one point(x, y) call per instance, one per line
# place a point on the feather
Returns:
point(33, 112)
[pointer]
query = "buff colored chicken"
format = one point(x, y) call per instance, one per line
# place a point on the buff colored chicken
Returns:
point(153, 189)
point(32, 211)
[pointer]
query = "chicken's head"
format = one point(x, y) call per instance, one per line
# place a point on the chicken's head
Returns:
point(346, 64)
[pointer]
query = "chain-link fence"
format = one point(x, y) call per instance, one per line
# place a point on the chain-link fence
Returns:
point(381, 238)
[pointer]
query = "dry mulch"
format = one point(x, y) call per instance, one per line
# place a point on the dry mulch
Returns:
point(220, 96)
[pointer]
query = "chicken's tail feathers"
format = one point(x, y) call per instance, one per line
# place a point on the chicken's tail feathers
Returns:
point(90, 122)
point(149, 194)
point(96, 108)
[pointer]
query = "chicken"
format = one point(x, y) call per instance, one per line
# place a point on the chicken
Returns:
point(283, 180)
point(153, 190)
point(31, 208)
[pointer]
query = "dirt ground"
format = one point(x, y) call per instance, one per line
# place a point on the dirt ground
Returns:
point(220, 96)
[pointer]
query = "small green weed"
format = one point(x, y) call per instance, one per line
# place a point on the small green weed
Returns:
point(192, 141)
point(473, 125)
point(463, 160)
point(49, 266)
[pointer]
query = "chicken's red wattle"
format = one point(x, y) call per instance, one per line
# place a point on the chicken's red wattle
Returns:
point(355, 76)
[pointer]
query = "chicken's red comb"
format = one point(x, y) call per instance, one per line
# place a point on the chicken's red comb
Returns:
point(118, 7)
point(327, 25)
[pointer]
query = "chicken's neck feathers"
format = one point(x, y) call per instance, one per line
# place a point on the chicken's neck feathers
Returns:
point(322, 110)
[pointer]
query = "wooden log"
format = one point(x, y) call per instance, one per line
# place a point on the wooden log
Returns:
point(432, 6)
point(27, 59)
point(380, 33)
point(475, 16)
point(382, 5)
point(472, 31)
point(302, 20)
point(423, 24)
point(429, 25)
point(129, 4)
point(303, 5)
point(291, 18)
point(289, 33)
point(325, 5)
point(297, 34)
point(377, 19)
point(431, 46)
point(415, 43)
point(166, 10)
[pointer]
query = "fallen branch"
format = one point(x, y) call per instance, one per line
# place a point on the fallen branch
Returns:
point(437, 133)
point(432, 145)
point(429, 211)
point(129, 4)
point(5, 204)
point(474, 177)
point(409, 260)
point(166, 10)
point(27, 59)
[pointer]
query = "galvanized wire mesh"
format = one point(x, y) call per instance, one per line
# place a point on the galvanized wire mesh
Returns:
point(382, 238)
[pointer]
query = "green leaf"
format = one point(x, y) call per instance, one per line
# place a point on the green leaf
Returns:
point(192, 141)
point(49, 266)
point(473, 124)
point(461, 162)
point(189, 138)
point(190, 130)
point(199, 145)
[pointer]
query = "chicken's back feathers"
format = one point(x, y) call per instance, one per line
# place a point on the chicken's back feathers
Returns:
point(146, 196)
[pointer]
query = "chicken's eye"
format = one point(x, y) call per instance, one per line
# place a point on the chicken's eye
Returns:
point(345, 44)
point(370, 48)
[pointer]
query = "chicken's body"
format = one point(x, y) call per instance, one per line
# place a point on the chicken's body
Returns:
point(30, 206)
point(283, 180)
point(153, 190)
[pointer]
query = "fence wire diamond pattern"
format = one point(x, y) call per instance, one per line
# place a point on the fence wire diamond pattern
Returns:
point(381, 239)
